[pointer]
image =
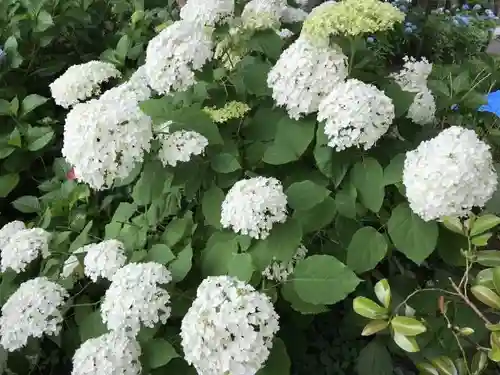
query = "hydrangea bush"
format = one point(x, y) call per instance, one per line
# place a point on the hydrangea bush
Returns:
point(245, 165)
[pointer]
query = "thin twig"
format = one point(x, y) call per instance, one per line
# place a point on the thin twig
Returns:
point(468, 302)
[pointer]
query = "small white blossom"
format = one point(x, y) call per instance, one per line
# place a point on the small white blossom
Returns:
point(110, 354)
point(82, 81)
point(262, 14)
point(279, 271)
point(136, 88)
point(8, 230)
point(104, 139)
point(174, 54)
point(413, 78)
point(135, 297)
point(24, 247)
point(422, 110)
point(291, 15)
point(207, 12)
point(229, 328)
point(252, 206)
point(449, 175)
point(71, 264)
point(179, 146)
point(32, 311)
point(355, 114)
point(304, 74)
point(285, 33)
point(103, 259)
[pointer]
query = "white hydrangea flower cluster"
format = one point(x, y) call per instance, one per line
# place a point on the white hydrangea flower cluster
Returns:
point(134, 296)
point(179, 146)
point(8, 230)
point(292, 15)
point(23, 247)
point(110, 354)
point(413, 78)
point(103, 259)
point(279, 271)
point(262, 14)
point(175, 53)
point(304, 75)
point(136, 88)
point(82, 81)
point(252, 206)
point(449, 175)
point(104, 139)
point(32, 311)
point(355, 114)
point(229, 328)
point(207, 12)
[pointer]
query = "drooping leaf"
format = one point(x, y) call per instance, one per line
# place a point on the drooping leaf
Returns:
point(367, 248)
point(411, 235)
point(367, 176)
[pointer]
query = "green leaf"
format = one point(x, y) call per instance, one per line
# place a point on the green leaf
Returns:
point(91, 326)
point(393, 173)
point(401, 99)
point(382, 290)
point(479, 363)
point(160, 253)
point(278, 362)
point(218, 253)
point(374, 359)
point(14, 58)
point(181, 266)
point(374, 327)
point(4, 107)
point(411, 235)
point(44, 21)
point(39, 137)
point(367, 177)
point(305, 195)
point(7, 183)
point(298, 304)
point(496, 278)
point(368, 309)
point(224, 163)
point(345, 201)
point(317, 217)
point(454, 224)
point(27, 204)
point(444, 365)
point(31, 102)
point(241, 267)
point(486, 296)
point(151, 184)
point(284, 240)
point(122, 48)
point(323, 280)
point(158, 352)
point(254, 73)
point(211, 206)
point(488, 258)
point(82, 239)
point(333, 165)
point(426, 369)
point(367, 248)
point(177, 229)
point(267, 42)
point(290, 142)
point(484, 223)
point(407, 326)
point(408, 344)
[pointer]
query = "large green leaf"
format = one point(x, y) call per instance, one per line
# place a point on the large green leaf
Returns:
point(211, 206)
point(27, 204)
point(182, 264)
point(158, 352)
point(411, 235)
point(7, 183)
point(367, 248)
point(323, 280)
point(367, 176)
point(241, 266)
point(317, 217)
point(304, 195)
point(374, 359)
point(296, 303)
point(290, 142)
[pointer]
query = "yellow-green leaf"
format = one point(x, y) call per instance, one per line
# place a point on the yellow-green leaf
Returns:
point(479, 363)
point(408, 344)
point(493, 327)
point(488, 258)
point(486, 296)
point(374, 326)
point(407, 326)
point(427, 369)
point(368, 309)
point(496, 278)
point(383, 292)
point(484, 223)
point(494, 355)
point(485, 278)
point(445, 366)
point(481, 240)
point(454, 224)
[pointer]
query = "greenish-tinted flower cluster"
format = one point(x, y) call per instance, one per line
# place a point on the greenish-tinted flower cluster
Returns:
point(350, 17)
point(230, 111)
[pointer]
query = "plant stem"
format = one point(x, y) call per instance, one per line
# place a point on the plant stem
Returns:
point(468, 302)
